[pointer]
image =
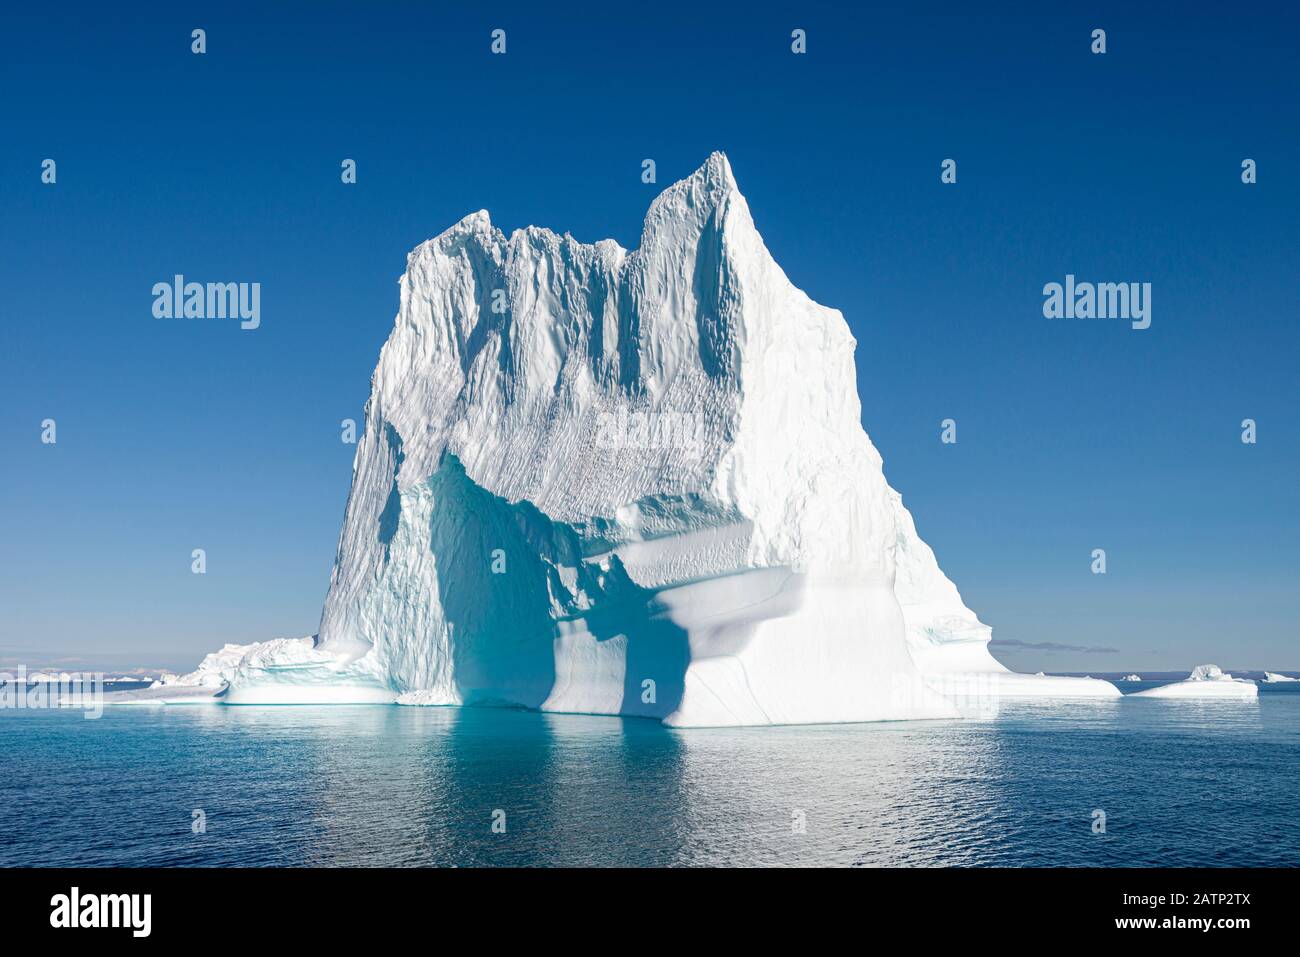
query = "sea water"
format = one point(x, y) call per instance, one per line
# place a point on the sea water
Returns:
point(1119, 782)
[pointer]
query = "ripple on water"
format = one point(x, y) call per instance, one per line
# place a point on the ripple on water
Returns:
point(1179, 782)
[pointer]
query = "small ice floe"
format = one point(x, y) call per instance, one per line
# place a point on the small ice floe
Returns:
point(163, 694)
point(1205, 681)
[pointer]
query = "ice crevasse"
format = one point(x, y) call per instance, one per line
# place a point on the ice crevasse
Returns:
point(611, 482)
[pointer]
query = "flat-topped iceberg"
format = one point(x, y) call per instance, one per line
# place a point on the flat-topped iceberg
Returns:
point(1205, 681)
point(629, 482)
point(290, 667)
point(1272, 677)
point(165, 694)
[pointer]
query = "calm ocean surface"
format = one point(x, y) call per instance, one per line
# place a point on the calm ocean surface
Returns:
point(1180, 782)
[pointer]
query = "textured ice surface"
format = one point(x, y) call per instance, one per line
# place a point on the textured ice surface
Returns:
point(213, 671)
point(601, 481)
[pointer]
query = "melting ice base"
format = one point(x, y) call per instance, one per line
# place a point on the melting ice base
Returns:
point(611, 482)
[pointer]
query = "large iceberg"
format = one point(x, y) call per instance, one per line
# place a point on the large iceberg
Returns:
point(611, 482)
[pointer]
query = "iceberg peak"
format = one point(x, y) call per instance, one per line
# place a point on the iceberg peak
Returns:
point(709, 188)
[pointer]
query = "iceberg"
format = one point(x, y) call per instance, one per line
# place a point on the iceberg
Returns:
point(1271, 677)
point(620, 482)
point(161, 695)
point(1132, 678)
point(62, 678)
point(203, 685)
point(1205, 681)
point(276, 664)
point(214, 671)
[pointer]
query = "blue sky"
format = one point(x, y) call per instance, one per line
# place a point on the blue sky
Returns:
point(1072, 435)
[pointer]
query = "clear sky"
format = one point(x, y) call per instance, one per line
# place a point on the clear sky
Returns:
point(1072, 434)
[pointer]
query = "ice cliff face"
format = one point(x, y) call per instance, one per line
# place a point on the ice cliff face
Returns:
point(603, 481)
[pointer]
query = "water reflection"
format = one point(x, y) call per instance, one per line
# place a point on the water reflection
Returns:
point(1180, 782)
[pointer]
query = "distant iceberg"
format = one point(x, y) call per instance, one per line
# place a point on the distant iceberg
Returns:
point(1273, 678)
point(1205, 681)
point(62, 678)
point(1131, 678)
